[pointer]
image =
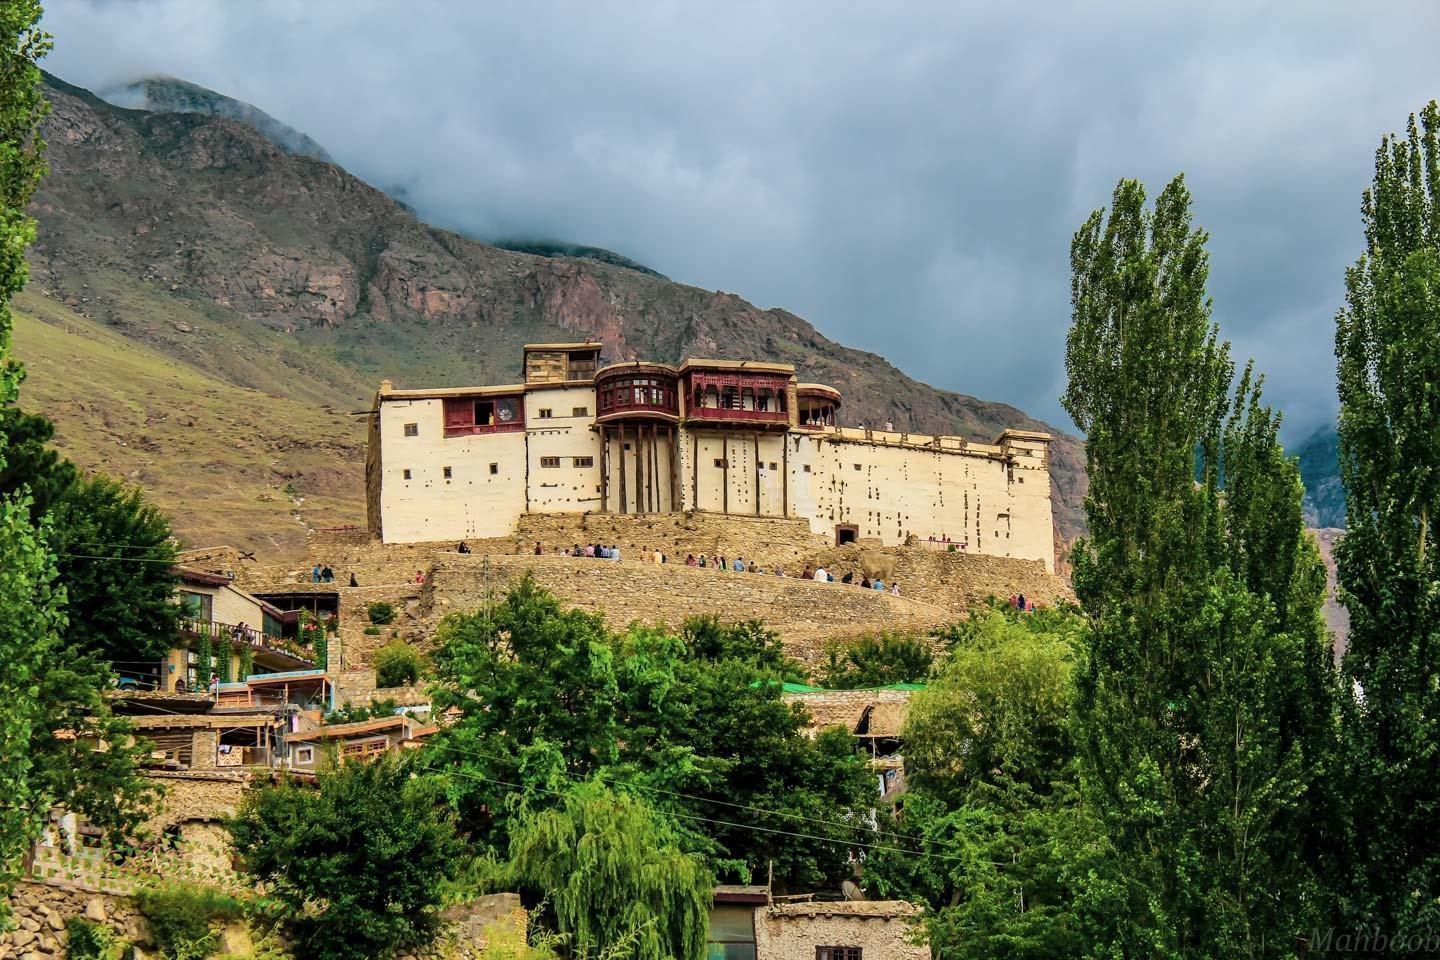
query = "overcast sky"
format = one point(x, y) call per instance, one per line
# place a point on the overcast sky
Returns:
point(905, 176)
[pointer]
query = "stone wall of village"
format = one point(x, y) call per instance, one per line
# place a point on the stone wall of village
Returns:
point(41, 909)
point(882, 929)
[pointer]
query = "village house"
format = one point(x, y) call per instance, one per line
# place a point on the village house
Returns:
point(874, 716)
point(726, 437)
point(313, 749)
point(747, 923)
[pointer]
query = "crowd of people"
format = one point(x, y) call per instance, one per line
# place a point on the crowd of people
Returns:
point(719, 562)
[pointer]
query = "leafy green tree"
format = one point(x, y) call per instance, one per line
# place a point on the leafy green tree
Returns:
point(30, 461)
point(696, 723)
point(1018, 865)
point(876, 662)
point(359, 861)
point(1205, 696)
point(116, 558)
point(613, 871)
point(397, 664)
point(1387, 340)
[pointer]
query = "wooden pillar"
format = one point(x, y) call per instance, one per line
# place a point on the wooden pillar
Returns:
point(639, 469)
point(656, 494)
point(623, 506)
point(672, 445)
point(756, 438)
point(695, 473)
point(725, 472)
point(604, 469)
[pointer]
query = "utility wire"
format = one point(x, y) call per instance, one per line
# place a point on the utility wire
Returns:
point(690, 796)
point(740, 826)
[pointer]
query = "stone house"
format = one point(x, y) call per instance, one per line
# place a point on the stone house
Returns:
point(875, 717)
point(746, 923)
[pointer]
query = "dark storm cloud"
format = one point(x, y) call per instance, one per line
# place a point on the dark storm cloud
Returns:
point(906, 176)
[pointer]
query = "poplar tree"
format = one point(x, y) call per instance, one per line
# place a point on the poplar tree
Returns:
point(1203, 696)
point(30, 616)
point(1387, 341)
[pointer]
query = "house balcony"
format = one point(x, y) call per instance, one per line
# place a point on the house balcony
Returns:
point(734, 416)
point(272, 652)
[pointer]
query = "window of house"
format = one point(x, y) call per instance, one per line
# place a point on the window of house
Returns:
point(720, 462)
point(446, 472)
point(406, 473)
point(412, 429)
point(732, 932)
point(772, 464)
point(837, 953)
point(584, 461)
point(494, 468)
point(807, 468)
point(857, 466)
point(304, 754)
point(196, 605)
point(580, 412)
point(546, 413)
point(549, 461)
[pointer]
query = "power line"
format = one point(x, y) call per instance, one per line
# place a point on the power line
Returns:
point(741, 826)
point(690, 796)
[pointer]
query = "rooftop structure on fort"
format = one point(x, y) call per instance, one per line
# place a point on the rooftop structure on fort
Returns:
point(727, 437)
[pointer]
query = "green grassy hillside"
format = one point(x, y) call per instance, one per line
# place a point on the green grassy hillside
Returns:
point(230, 464)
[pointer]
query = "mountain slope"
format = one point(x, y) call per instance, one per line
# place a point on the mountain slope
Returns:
point(297, 279)
point(161, 94)
point(1319, 459)
point(230, 464)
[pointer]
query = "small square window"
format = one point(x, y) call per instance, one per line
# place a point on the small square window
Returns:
point(838, 953)
point(446, 472)
point(857, 466)
point(580, 412)
point(807, 468)
point(584, 461)
point(406, 473)
point(412, 429)
point(494, 468)
point(549, 461)
point(304, 754)
point(546, 413)
point(720, 462)
point(772, 464)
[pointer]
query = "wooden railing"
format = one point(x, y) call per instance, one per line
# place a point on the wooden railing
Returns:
point(249, 636)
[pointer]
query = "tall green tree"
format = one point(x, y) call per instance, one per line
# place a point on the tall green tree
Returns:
point(1204, 697)
point(60, 743)
point(1018, 864)
point(359, 861)
point(613, 873)
point(30, 601)
point(1387, 340)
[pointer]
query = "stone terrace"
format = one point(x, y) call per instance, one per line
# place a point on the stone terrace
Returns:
point(803, 612)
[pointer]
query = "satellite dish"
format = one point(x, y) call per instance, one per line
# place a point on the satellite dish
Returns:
point(851, 890)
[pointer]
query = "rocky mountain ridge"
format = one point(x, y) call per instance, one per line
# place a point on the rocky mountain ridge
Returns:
point(198, 237)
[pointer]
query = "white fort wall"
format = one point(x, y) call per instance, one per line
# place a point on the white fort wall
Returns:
point(989, 499)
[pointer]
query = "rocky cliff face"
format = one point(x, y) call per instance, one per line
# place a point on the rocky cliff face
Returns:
point(191, 208)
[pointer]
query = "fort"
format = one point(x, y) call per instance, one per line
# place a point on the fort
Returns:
point(712, 437)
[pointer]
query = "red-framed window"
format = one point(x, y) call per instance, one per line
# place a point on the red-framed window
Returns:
point(465, 416)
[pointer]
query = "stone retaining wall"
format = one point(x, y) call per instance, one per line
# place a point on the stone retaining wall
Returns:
point(803, 612)
point(41, 909)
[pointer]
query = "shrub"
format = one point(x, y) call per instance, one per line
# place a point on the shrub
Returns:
point(372, 631)
point(182, 919)
point(380, 612)
point(876, 661)
point(92, 941)
point(397, 663)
